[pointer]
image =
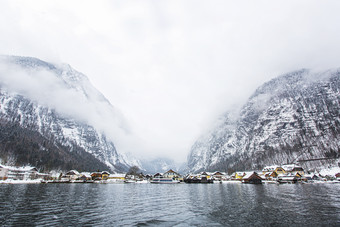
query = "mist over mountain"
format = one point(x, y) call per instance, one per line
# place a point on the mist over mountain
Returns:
point(52, 117)
point(161, 165)
point(292, 118)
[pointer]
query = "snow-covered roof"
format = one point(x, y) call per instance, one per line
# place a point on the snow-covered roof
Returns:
point(330, 171)
point(21, 168)
point(119, 175)
point(287, 177)
point(248, 174)
point(290, 167)
point(223, 173)
point(72, 172)
point(270, 168)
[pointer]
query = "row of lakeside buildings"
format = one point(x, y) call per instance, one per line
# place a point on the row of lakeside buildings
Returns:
point(276, 174)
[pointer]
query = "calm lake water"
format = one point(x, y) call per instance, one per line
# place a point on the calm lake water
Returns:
point(169, 205)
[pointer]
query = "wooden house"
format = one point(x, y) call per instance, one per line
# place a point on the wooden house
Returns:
point(218, 175)
point(252, 178)
point(96, 176)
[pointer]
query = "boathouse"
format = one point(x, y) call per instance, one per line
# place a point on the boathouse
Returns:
point(252, 178)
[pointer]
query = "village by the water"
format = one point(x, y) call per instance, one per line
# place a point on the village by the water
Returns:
point(276, 174)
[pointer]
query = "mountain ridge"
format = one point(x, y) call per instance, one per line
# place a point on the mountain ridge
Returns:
point(65, 108)
point(289, 118)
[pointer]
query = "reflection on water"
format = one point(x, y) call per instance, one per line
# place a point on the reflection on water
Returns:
point(170, 205)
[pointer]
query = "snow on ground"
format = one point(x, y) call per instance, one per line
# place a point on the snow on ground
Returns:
point(37, 181)
point(330, 171)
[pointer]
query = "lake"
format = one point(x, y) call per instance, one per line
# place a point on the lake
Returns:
point(169, 205)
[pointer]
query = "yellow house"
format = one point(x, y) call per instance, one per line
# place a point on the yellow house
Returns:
point(279, 170)
point(269, 169)
point(117, 176)
point(105, 175)
point(239, 175)
point(292, 168)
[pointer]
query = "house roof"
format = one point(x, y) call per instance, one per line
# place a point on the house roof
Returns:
point(287, 177)
point(291, 167)
point(270, 168)
point(170, 171)
point(86, 174)
point(240, 173)
point(21, 169)
point(248, 174)
point(72, 172)
point(117, 175)
point(251, 175)
point(219, 173)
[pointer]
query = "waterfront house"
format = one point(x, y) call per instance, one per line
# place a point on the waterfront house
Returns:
point(105, 175)
point(96, 176)
point(3, 172)
point(218, 175)
point(22, 173)
point(117, 176)
point(280, 170)
point(251, 178)
point(287, 179)
point(275, 168)
point(171, 174)
point(270, 175)
point(239, 175)
point(293, 168)
point(269, 169)
point(206, 175)
point(337, 176)
point(72, 175)
point(85, 176)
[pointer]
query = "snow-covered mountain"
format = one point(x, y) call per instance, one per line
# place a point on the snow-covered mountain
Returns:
point(62, 106)
point(292, 118)
point(160, 165)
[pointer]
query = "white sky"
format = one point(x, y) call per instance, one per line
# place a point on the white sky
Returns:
point(173, 67)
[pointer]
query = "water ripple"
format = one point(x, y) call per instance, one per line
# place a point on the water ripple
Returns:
point(169, 205)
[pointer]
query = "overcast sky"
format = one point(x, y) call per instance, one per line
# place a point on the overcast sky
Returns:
point(173, 67)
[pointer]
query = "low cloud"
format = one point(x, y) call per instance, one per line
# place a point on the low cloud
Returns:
point(78, 100)
point(174, 67)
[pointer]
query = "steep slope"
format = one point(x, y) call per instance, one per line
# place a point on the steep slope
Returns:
point(62, 106)
point(293, 118)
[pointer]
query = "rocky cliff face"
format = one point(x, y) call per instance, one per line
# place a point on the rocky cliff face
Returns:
point(54, 102)
point(293, 118)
